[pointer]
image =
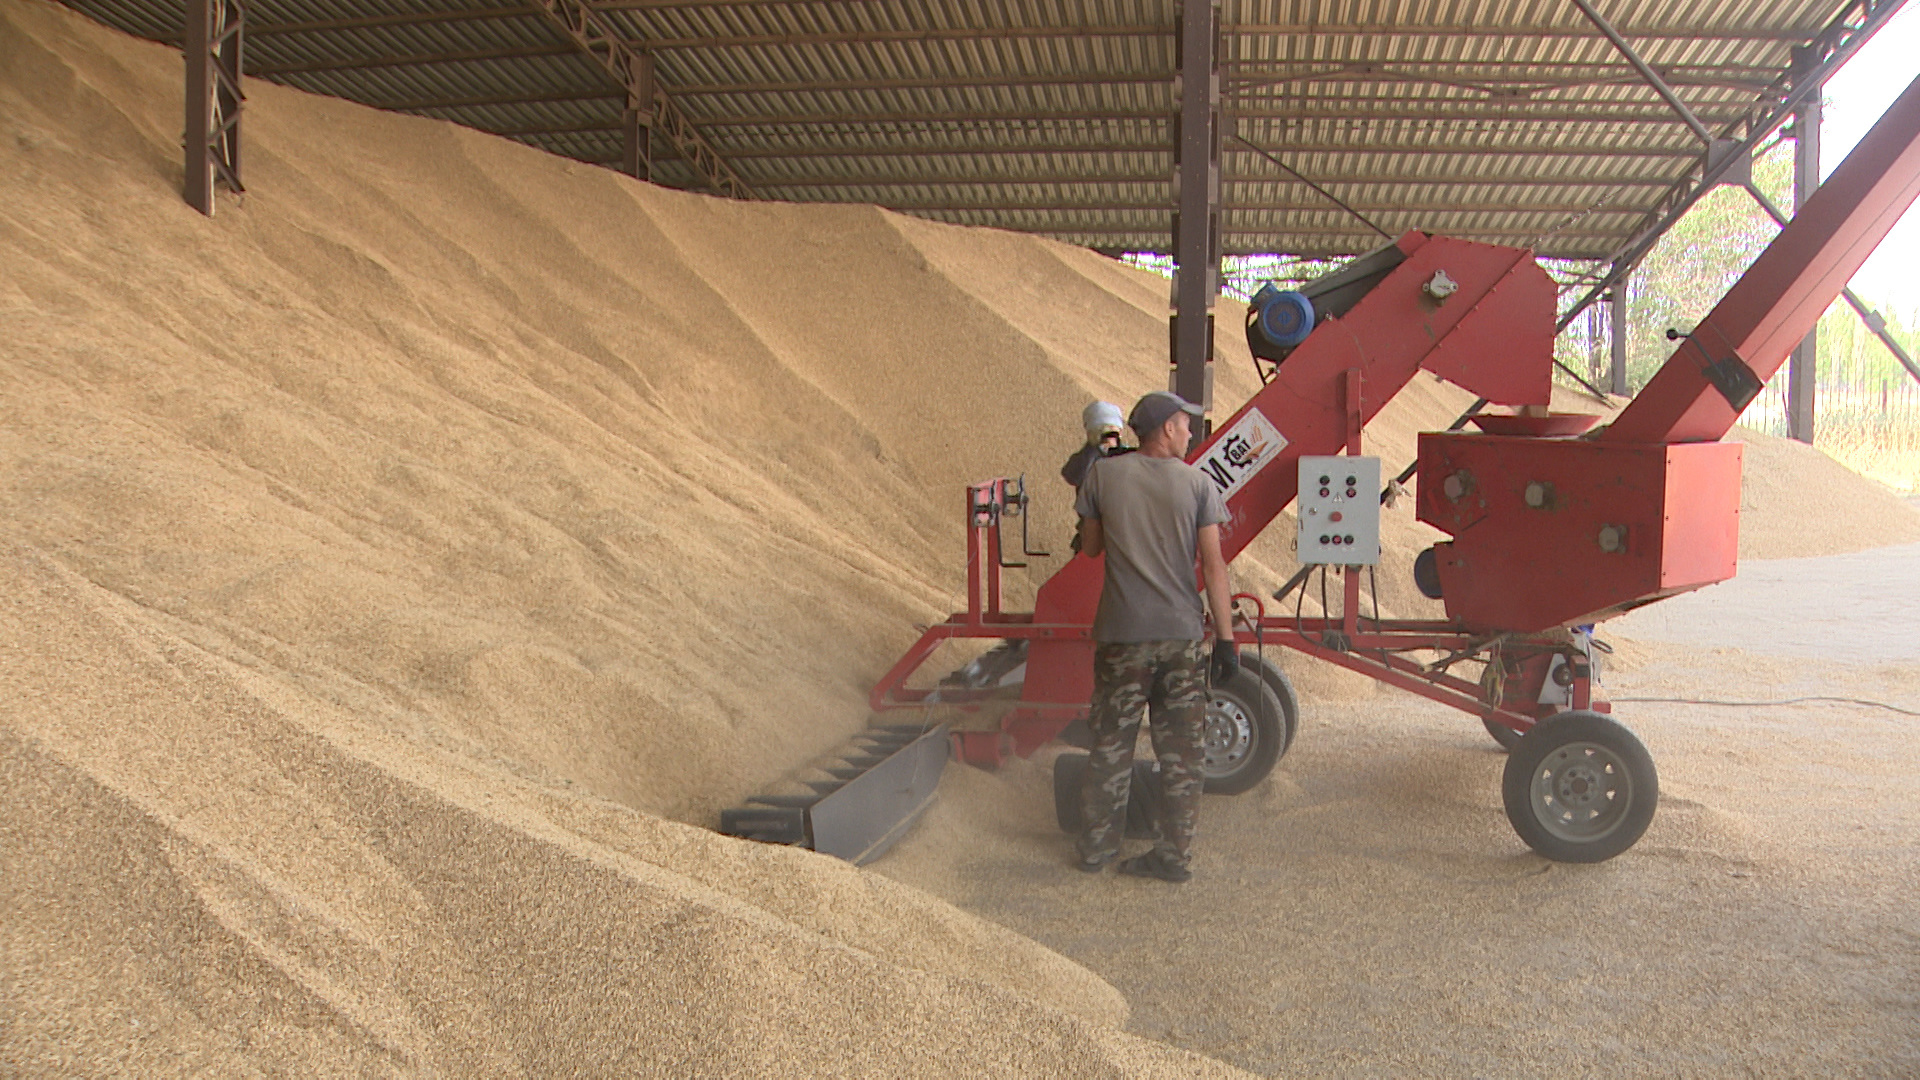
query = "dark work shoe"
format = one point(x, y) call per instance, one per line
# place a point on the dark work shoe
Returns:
point(1091, 866)
point(1153, 866)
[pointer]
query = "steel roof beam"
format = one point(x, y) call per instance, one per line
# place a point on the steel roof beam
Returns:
point(314, 67)
point(1601, 74)
point(1404, 109)
point(632, 71)
point(497, 100)
point(1544, 32)
point(1369, 30)
point(1332, 249)
point(1646, 72)
point(930, 150)
point(1520, 108)
point(1813, 66)
point(1385, 150)
point(1315, 188)
point(872, 85)
point(1486, 78)
point(595, 127)
point(1367, 238)
point(1259, 208)
point(906, 37)
point(378, 22)
point(1584, 67)
point(1070, 179)
point(1022, 33)
point(1157, 79)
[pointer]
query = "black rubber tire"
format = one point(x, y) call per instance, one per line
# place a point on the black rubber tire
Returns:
point(1282, 688)
point(1070, 772)
point(1502, 734)
point(1580, 787)
point(1248, 727)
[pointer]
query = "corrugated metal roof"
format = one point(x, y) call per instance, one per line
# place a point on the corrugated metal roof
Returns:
point(1506, 120)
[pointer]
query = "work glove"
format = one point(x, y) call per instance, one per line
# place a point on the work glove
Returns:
point(1225, 663)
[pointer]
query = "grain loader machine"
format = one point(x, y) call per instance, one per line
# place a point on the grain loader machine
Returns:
point(1554, 523)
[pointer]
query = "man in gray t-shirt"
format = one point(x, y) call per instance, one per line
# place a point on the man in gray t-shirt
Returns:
point(1153, 516)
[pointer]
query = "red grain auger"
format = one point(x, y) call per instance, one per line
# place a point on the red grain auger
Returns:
point(1554, 525)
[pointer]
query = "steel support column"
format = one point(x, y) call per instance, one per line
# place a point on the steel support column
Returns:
point(1871, 319)
point(1617, 333)
point(636, 124)
point(211, 46)
point(627, 64)
point(1196, 185)
point(1804, 366)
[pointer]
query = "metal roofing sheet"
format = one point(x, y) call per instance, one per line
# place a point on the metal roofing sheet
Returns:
point(1508, 120)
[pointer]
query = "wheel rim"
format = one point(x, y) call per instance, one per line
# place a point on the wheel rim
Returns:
point(1581, 792)
point(1229, 737)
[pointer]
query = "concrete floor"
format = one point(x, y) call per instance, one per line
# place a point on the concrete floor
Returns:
point(1368, 910)
point(1862, 607)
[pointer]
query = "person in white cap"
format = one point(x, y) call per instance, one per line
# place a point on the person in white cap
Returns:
point(1103, 423)
point(1154, 517)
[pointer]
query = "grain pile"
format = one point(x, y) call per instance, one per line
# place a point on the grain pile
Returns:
point(398, 562)
point(371, 589)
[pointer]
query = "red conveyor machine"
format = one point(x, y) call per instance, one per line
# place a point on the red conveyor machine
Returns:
point(1554, 527)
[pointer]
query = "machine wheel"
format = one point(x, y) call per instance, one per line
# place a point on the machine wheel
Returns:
point(1502, 734)
point(1248, 727)
point(1069, 772)
point(1282, 688)
point(1580, 787)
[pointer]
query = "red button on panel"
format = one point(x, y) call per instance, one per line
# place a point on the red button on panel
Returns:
point(1335, 516)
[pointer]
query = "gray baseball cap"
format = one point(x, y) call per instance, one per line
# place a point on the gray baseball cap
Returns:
point(1157, 408)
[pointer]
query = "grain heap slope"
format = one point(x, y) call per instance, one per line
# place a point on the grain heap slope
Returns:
point(395, 560)
point(382, 557)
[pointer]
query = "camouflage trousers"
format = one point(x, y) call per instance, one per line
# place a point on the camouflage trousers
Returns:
point(1165, 682)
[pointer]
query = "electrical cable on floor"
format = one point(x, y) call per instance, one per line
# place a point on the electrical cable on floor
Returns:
point(1763, 704)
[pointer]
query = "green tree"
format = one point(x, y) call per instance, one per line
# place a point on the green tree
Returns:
point(1699, 259)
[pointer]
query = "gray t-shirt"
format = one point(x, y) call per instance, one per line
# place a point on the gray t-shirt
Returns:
point(1151, 510)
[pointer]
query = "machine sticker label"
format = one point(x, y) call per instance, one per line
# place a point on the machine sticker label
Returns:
point(1241, 452)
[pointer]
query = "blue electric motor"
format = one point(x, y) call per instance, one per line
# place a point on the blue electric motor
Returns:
point(1277, 320)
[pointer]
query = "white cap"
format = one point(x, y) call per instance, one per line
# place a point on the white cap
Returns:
point(1101, 417)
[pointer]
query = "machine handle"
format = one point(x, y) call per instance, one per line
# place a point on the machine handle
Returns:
point(1014, 500)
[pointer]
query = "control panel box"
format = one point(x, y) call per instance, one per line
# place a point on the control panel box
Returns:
point(1339, 506)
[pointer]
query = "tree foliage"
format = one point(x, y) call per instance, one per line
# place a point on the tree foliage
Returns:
point(1708, 250)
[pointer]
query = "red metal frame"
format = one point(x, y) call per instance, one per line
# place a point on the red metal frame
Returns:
point(1371, 647)
point(1548, 532)
point(1374, 648)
